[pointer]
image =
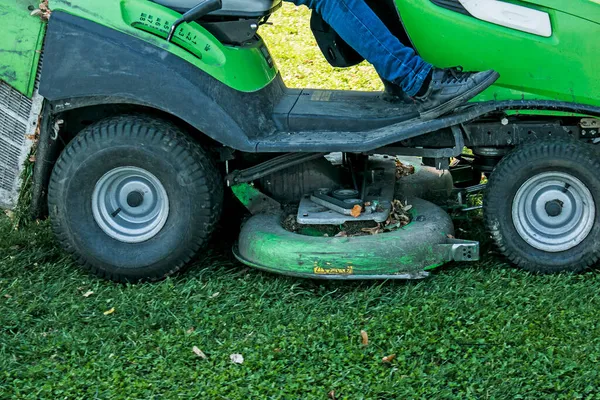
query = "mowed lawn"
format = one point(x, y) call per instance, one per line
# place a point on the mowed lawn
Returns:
point(482, 330)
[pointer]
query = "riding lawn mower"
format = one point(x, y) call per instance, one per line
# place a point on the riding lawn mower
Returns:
point(144, 115)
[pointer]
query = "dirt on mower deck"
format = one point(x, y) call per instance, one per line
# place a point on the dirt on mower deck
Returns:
point(43, 11)
point(403, 169)
point(399, 217)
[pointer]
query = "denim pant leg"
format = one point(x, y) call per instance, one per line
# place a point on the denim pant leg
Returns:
point(360, 27)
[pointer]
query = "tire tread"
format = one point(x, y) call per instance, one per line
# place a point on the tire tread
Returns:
point(576, 151)
point(138, 127)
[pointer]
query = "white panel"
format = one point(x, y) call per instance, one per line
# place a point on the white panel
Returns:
point(510, 15)
point(18, 123)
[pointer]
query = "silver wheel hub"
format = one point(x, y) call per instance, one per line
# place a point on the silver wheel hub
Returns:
point(553, 211)
point(130, 204)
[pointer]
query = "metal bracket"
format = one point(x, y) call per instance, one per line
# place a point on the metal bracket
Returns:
point(462, 194)
point(590, 127)
point(319, 209)
point(334, 204)
point(461, 250)
point(464, 250)
point(459, 144)
point(255, 201)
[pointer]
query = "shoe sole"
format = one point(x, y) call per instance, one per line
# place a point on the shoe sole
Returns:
point(451, 104)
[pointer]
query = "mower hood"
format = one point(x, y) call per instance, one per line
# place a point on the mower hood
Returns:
point(586, 9)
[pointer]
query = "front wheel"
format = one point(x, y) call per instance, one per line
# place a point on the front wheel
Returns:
point(134, 198)
point(542, 206)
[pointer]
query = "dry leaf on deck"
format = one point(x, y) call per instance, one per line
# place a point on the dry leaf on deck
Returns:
point(365, 338)
point(43, 11)
point(356, 210)
point(199, 353)
point(373, 231)
point(403, 169)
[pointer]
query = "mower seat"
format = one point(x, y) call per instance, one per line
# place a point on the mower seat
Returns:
point(231, 8)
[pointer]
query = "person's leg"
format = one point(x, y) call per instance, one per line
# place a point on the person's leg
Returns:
point(362, 29)
point(435, 91)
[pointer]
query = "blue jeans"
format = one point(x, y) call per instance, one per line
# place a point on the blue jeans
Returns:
point(362, 29)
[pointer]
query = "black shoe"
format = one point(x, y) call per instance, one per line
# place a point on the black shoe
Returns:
point(450, 88)
point(394, 94)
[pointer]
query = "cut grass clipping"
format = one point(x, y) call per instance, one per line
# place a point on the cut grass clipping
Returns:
point(222, 331)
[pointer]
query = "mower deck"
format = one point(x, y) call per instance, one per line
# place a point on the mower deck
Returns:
point(407, 253)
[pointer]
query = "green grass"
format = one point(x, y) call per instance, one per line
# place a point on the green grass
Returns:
point(482, 330)
point(300, 61)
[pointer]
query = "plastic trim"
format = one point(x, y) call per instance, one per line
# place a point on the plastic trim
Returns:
point(509, 15)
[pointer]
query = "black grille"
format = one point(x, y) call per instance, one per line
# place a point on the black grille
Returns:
point(453, 5)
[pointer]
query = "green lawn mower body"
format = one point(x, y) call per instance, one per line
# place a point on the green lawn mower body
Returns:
point(215, 83)
point(532, 67)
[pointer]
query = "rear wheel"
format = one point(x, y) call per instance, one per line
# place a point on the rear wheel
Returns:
point(133, 198)
point(542, 206)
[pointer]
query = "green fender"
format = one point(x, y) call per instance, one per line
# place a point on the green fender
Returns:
point(246, 69)
point(561, 67)
point(20, 44)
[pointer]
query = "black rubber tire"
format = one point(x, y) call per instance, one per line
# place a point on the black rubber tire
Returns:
point(190, 178)
point(568, 156)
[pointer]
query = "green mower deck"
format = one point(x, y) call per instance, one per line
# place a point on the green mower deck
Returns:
point(407, 253)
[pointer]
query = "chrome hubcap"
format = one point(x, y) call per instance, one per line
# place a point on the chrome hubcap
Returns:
point(553, 211)
point(130, 204)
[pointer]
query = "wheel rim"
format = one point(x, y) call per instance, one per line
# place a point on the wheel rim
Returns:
point(553, 211)
point(130, 204)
